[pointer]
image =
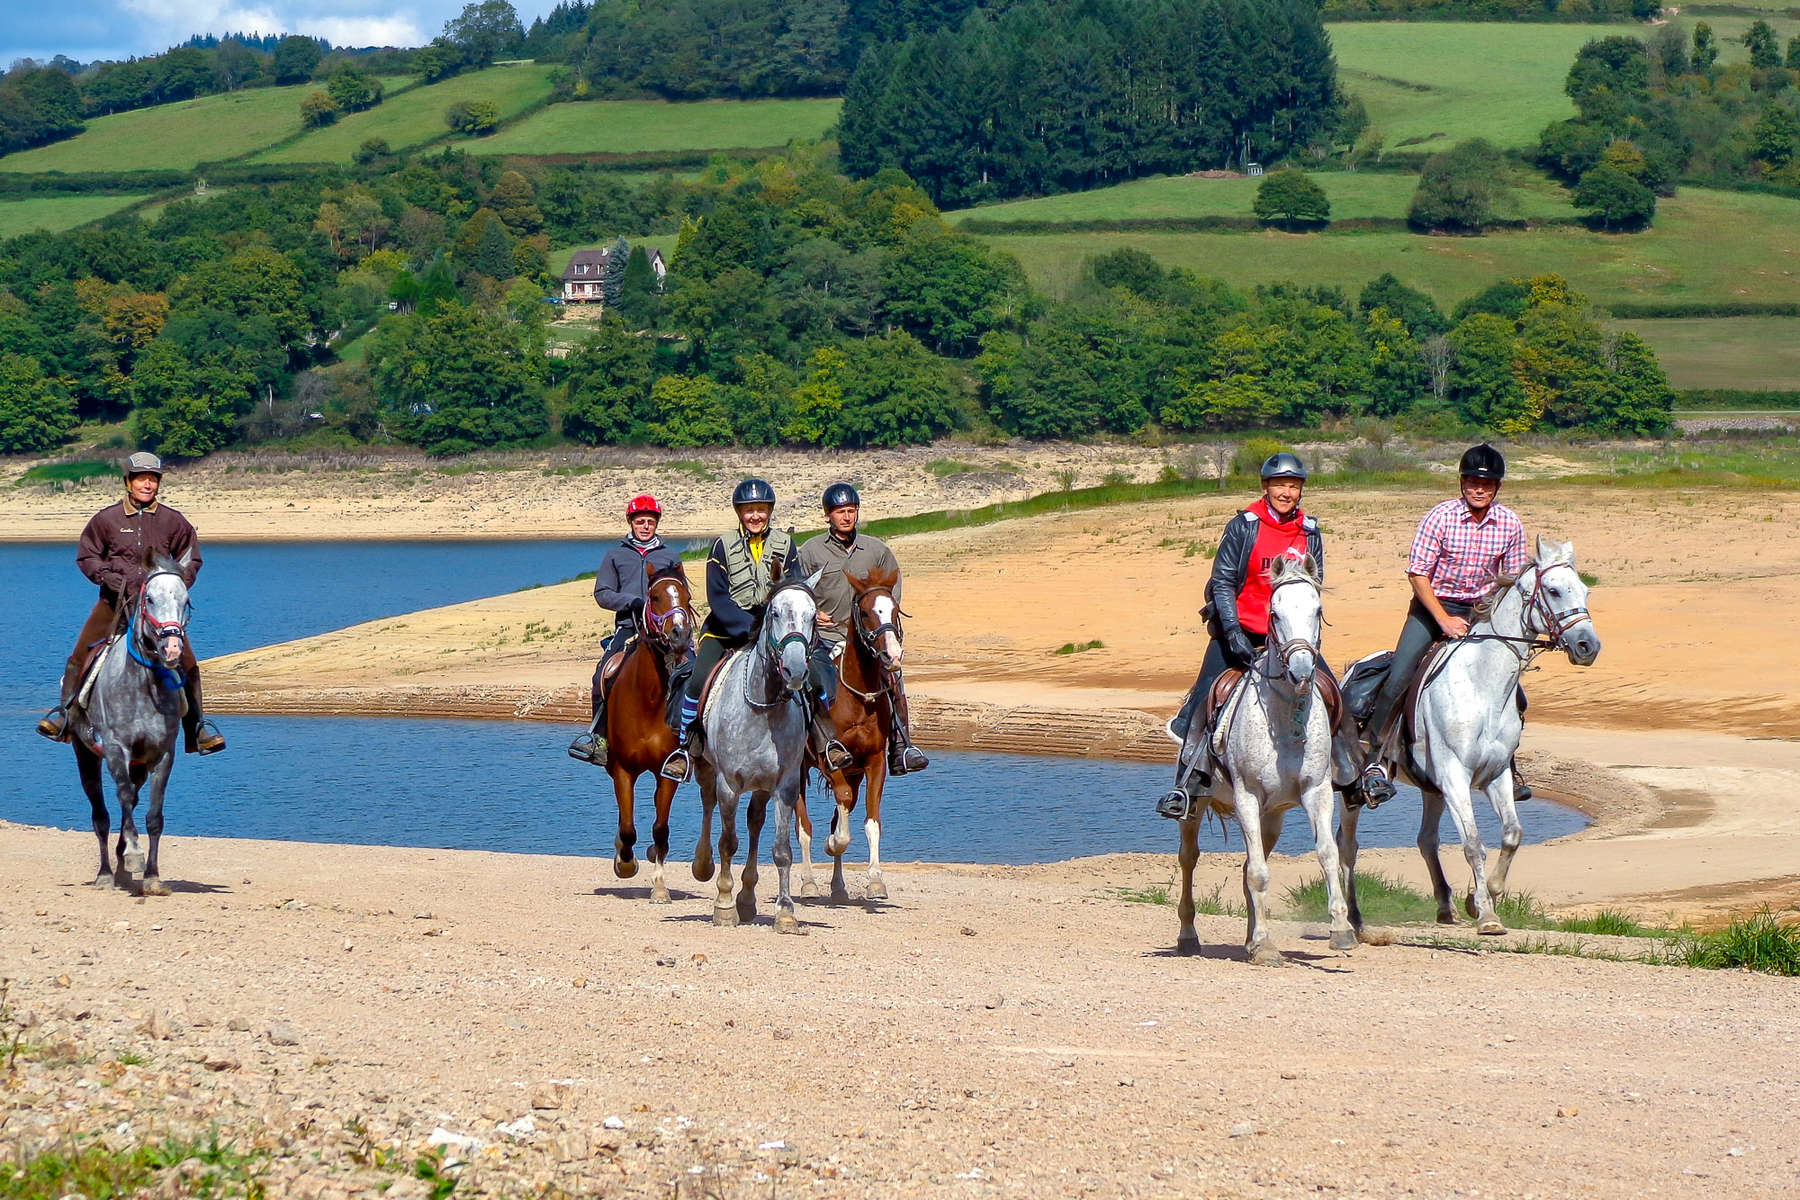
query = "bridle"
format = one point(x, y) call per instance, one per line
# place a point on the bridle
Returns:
point(157, 632)
point(774, 646)
point(654, 622)
point(871, 637)
point(1553, 625)
point(1278, 654)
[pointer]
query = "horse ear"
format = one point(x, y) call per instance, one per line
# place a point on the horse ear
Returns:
point(1311, 566)
point(1550, 553)
point(148, 559)
point(858, 583)
point(812, 581)
point(649, 569)
point(775, 572)
point(885, 576)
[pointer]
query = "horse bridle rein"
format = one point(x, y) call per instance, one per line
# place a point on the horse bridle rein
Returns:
point(1556, 625)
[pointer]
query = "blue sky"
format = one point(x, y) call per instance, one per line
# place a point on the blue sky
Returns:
point(90, 29)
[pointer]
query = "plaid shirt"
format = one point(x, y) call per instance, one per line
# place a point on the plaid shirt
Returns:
point(1459, 554)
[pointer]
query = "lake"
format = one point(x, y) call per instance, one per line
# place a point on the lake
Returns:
point(508, 786)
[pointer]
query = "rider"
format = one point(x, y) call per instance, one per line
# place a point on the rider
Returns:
point(112, 555)
point(835, 554)
point(1237, 609)
point(1459, 547)
point(739, 580)
point(622, 586)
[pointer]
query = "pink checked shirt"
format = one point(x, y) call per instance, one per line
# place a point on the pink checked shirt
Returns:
point(1458, 553)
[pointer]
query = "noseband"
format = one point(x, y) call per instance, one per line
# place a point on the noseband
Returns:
point(777, 646)
point(655, 621)
point(872, 637)
point(157, 632)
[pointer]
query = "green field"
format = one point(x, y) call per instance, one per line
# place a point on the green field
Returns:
point(57, 213)
point(636, 126)
point(1353, 194)
point(173, 135)
point(417, 116)
point(1749, 353)
point(1434, 83)
point(1705, 246)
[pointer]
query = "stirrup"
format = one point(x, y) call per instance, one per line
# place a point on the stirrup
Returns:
point(912, 759)
point(1176, 804)
point(1377, 789)
point(207, 739)
point(836, 755)
point(56, 725)
point(678, 766)
point(589, 748)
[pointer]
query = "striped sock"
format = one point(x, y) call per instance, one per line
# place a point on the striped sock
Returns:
point(690, 708)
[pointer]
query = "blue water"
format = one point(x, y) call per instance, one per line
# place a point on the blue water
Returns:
point(508, 785)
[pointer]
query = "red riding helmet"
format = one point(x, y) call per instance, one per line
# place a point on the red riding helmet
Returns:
point(640, 505)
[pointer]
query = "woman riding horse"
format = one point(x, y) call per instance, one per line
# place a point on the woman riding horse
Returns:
point(1237, 608)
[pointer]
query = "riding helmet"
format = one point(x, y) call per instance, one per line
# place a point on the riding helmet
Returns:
point(640, 505)
point(753, 491)
point(1284, 466)
point(840, 494)
point(143, 463)
point(1482, 462)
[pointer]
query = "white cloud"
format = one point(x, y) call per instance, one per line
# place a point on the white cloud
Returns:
point(369, 31)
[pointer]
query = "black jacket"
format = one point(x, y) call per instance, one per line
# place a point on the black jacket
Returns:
point(1231, 567)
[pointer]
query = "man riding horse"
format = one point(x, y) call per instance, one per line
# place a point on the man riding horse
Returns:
point(1459, 547)
point(838, 553)
point(1237, 608)
point(621, 586)
point(741, 570)
point(112, 554)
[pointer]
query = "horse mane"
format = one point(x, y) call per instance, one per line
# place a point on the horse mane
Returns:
point(1483, 608)
point(1286, 567)
point(675, 572)
point(881, 577)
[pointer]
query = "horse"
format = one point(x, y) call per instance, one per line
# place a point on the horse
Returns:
point(754, 740)
point(862, 713)
point(1275, 750)
point(638, 736)
point(130, 717)
point(1466, 723)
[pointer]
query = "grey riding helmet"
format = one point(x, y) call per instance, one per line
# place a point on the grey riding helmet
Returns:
point(753, 491)
point(1284, 466)
point(143, 463)
point(838, 495)
point(1482, 462)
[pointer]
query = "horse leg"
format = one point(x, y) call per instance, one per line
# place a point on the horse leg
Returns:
point(659, 840)
point(127, 778)
point(753, 821)
point(624, 786)
point(1500, 795)
point(702, 865)
point(153, 824)
point(1188, 942)
point(782, 852)
point(1346, 845)
point(809, 883)
point(1431, 815)
point(87, 765)
point(1257, 946)
point(1319, 802)
point(844, 794)
point(724, 912)
point(1479, 901)
point(873, 784)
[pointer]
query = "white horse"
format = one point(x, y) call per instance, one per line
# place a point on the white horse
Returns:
point(755, 741)
point(1467, 723)
point(1274, 750)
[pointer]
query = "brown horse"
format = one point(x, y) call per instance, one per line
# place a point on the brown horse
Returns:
point(863, 714)
point(638, 737)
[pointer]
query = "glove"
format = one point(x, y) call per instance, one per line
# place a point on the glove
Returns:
point(635, 608)
point(1239, 649)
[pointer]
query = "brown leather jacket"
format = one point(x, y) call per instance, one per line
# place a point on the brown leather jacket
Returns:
point(113, 545)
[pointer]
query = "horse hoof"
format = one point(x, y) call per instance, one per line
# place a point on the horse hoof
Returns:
point(726, 917)
point(746, 914)
point(840, 896)
point(155, 887)
point(1343, 939)
point(105, 879)
point(659, 894)
point(877, 890)
point(702, 869)
point(1267, 956)
point(1187, 944)
point(133, 862)
point(1446, 918)
point(788, 923)
point(625, 868)
point(809, 890)
point(1492, 927)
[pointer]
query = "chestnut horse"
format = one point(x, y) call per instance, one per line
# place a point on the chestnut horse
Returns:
point(638, 737)
point(862, 713)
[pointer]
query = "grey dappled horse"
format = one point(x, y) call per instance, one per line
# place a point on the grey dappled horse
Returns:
point(1275, 749)
point(754, 740)
point(131, 718)
point(1467, 724)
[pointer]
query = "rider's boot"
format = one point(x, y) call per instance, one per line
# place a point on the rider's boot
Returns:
point(1377, 789)
point(199, 735)
point(833, 753)
point(680, 763)
point(904, 758)
point(1521, 789)
point(55, 724)
point(590, 746)
point(1178, 802)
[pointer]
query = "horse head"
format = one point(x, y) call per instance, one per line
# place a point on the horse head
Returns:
point(878, 614)
point(1556, 604)
point(789, 626)
point(161, 615)
point(668, 609)
point(1296, 616)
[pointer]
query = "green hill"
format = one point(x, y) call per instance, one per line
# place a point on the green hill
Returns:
point(635, 126)
point(57, 213)
point(173, 135)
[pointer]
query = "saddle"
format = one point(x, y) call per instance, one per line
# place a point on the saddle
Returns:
point(1227, 684)
point(90, 669)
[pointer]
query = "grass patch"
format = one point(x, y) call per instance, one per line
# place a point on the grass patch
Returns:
point(1383, 900)
point(56, 214)
point(86, 1167)
point(51, 474)
point(632, 126)
point(941, 468)
point(1768, 459)
point(1143, 895)
point(1080, 648)
point(1743, 353)
point(179, 136)
point(416, 116)
point(1759, 942)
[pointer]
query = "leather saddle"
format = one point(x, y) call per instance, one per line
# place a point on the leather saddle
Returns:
point(1323, 680)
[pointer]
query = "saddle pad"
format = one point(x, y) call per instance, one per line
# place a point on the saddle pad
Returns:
point(91, 671)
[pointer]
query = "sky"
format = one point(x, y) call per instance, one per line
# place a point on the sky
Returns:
point(91, 29)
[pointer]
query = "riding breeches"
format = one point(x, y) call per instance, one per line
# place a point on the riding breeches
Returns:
point(614, 643)
point(712, 649)
point(1417, 636)
point(822, 673)
point(98, 627)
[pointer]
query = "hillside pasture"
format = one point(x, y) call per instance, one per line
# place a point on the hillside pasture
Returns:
point(1353, 195)
point(1748, 353)
point(181, 135)
point(416, 116)
point(54, 214)
point(1706, 246)
point(639, 126)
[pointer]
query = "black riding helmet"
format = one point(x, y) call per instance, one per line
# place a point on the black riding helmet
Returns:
point(838, 495)
point(1284, 466)
point(1482, 462)
point(753, 491)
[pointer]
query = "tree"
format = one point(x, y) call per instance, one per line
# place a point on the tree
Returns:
point(636, 304)
point(1614, 200)
point(1706, 48)
point(1411, 307)
point(948, 289)
point(372, 151)
point(36, 412)
point(1793, 53)
point(1641, 398)
point(881, 391)
point(353, 91)
point(1618, 65)
point(1292, 197)
point(1481, 382)
point(318, 110)
point(610, 378)
point(295, 58)
point(1765, 51)
point(457, 380)
point(612, 279)
point(485, 31)
point(515, 200)
point(183, 407)
point(1459, 189)
point(1775, 138)
point(473, 117)
point(689, 410)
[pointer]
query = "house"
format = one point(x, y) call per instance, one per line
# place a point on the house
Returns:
point(581, 279)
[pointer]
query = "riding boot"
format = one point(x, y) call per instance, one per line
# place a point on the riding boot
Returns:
point(1521, 789)
point(823, 738)
point(199, 735)
point(590, 747)
point(680, 763)
point(55, 724)
point(904, 758)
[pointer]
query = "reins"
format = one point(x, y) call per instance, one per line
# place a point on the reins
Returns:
point(1525, 649)
point(160, 631)
point(870, 640)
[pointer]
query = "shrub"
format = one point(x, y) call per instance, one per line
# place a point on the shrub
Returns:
point(1292, 198)
point(1614, 200)
point(318, 110)
point(372, 149)
point(36, 413)
point(473, 117)
point(1254, 453)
